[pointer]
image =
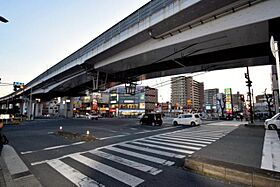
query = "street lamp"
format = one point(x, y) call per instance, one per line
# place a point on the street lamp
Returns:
point(4, 20)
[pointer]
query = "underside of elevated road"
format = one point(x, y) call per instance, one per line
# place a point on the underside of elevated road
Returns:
point(205, 36)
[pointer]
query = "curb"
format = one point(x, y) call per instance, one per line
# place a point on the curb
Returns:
point(15, 172)
point(233, 172)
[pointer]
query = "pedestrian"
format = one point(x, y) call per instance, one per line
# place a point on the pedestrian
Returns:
point(241, 117)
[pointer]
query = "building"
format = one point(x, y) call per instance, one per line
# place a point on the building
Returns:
point(262, 98)
point(122, 104)
point(210, 98)
point(187, 93)
point(96, 102)
point(237, 103)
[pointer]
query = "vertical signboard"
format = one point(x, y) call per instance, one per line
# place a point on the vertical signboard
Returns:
point(228, 95)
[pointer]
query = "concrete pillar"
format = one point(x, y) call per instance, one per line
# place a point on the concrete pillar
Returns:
point(38, 109)
point(66, 107)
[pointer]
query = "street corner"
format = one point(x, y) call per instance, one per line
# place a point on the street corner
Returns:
point(14, 170)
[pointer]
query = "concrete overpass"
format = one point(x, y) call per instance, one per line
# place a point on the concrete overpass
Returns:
point(166, 37)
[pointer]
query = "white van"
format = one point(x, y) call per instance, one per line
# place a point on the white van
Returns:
point(273, 123)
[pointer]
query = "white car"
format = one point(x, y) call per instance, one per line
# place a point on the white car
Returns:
point(187, 119)
point(273, 123)
point(92, 116)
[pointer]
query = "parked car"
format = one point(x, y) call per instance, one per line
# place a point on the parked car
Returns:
point(187, 119)
point(273, 123)
point(153, 119)
point(92, 116)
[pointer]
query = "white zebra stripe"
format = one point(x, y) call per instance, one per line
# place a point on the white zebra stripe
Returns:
point(179, 142)
point(126, 162)
point(149, 150)
point(142, 156)
point(184, 139)
point(194, 137)
point(110, 171)
point(172, 144)
point(73, 175)
point(165, 148)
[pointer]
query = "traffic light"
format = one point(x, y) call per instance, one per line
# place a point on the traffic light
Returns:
point(242, 98)
point(249, 83)
point(15, 88)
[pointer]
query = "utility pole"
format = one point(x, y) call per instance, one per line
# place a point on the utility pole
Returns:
point(30, 104)
point(249, 84)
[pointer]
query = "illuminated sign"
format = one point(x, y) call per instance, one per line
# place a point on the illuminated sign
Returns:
point(128, 101)
point(228, 94)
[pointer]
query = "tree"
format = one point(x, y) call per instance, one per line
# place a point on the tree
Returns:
point(269, 101)
point(222, 104)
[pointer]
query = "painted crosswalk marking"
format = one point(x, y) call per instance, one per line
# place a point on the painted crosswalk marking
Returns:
point(149, 150)
point(177, 142)
point(271, 151)
point(195, 138)
point(126, 162)
point(185, 140)
point(110, 171)
point(73, 175)
point(142, 156)
point(172, 145)
point(164, 148)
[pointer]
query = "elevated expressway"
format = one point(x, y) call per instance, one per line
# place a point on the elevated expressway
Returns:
point(162, 38)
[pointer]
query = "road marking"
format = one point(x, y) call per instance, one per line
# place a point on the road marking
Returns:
point(142, 156)
point(126, 162)
point(110, 137)
point(110, 171)
point(194, 137)
point(185, 139)
point(51, 148)
point(165, 148)
point(202, 134)
point(271, 151)
point(179, 142)
point(163, 153)
point(147, 131)
point(167, 135)
point(72, 174)
point(172, 144)
point(199, 135)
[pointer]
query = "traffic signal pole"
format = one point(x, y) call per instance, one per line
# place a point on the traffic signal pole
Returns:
point(249, 84)
point(275, 52)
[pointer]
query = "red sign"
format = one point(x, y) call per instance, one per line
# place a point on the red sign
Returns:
point(112, 110)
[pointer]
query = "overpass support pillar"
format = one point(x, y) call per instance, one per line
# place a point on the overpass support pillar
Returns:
point(38, 108)
point(66, 107)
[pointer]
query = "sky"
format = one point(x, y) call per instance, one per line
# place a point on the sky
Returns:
point(41, 33)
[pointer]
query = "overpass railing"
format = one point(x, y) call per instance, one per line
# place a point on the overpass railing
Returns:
point(136, 17)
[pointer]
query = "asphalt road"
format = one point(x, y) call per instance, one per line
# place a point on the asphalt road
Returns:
point(124, 154)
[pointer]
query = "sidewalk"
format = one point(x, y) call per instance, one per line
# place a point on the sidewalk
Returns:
point(14, 173)
point(236, 157)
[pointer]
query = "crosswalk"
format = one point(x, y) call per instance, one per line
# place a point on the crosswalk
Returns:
point(132, 161)
point(271, 151)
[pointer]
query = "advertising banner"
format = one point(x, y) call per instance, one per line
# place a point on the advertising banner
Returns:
point(228, 95)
